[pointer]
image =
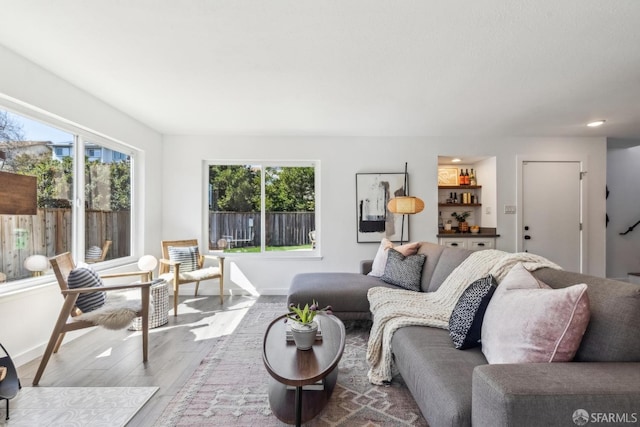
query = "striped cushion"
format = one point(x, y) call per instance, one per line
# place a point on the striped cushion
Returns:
point(94, 252)
point(187, 256)
point(84, 277)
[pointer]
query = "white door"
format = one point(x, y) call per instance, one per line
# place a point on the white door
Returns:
point(551, 211)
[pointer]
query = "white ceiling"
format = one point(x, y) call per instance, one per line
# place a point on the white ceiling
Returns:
point(345, 67)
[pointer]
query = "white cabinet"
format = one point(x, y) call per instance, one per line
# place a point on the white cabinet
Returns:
point(472, 243)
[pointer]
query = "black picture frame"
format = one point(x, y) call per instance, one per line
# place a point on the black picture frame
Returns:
point(374, 221)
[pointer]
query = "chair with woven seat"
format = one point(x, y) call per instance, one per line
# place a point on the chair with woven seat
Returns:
point(182, 263)
point(85, 304)
point(9, 381)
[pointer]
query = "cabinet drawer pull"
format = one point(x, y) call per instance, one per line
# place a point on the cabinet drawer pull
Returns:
point(480, 244)
point(454, 244)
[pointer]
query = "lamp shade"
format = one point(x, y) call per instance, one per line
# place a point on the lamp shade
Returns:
point(405, 205)
point(36, 263)
point(147, 263)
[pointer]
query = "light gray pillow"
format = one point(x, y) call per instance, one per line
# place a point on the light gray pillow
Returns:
point(404, 271)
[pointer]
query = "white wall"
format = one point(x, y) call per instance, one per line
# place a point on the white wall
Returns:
point(341, 158)
point(23, 82)
point(623, 207)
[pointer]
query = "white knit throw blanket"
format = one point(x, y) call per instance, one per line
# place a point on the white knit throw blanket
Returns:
point(394, 308)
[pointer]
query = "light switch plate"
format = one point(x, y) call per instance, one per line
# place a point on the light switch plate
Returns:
point(509, 209)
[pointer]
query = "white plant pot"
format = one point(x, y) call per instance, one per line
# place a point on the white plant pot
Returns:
point(304, 334)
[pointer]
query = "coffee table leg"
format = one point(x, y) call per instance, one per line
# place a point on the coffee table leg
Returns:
point(298, 406)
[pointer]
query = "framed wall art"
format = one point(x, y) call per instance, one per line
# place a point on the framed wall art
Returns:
point(375, 222)
point(448, 176)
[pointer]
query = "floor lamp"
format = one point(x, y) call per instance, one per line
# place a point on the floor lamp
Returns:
point(405, 205)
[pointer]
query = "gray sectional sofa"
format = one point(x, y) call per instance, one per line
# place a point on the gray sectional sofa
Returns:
point(459, 388)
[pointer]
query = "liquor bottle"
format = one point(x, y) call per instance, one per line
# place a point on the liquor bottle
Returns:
point(461, 177)
point(467, 180)
point(455, 197)
point(472, 178)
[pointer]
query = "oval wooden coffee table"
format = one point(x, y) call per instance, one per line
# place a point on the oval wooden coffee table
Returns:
point(292, 369)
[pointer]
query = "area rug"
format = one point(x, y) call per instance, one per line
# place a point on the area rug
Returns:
point(230, 385)
point(76, 406)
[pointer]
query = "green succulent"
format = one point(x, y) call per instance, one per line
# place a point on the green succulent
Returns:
point(306, 315)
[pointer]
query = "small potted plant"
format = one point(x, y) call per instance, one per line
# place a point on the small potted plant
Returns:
point(461, 217)
point(303, 324)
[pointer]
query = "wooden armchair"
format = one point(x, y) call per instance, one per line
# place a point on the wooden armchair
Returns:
point(172, 268)
point(70, 318)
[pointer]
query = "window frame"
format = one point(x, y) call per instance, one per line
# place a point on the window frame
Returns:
point(80, 135)
point(314, 253)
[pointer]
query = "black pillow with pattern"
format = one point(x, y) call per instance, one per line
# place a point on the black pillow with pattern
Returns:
point(465, 323)
point(404, 271)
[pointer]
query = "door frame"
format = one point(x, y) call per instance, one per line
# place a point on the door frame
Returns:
point(584, 185)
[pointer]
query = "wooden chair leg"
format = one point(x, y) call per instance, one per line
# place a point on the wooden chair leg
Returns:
point(59, 342)
point(175, 299)
point(65, 311)
point(195, 294)
point(221, 291)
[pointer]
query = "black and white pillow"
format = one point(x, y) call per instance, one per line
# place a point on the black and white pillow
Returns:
point(94, 252)
point(404, 271)
point(465, 323)
point(187, 256)
point(85, 277)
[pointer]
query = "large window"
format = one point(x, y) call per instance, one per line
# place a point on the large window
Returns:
point(75, 213)
point(262, 207)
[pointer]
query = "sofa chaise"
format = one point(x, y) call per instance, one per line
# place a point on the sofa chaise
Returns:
point(456, 387)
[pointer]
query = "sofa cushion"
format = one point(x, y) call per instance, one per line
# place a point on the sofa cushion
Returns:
point(445, 263)
point(85, 277)
point(465, 323)
point(380, 260)
point(612, 334)
point(527, 321)
point(403, 271)
point(346, 293)
point(438, 376)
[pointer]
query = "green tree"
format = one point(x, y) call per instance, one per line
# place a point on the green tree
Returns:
point(235, 188)
point(290, 189)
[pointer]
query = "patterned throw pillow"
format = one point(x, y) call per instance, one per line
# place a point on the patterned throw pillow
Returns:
point(404, 271)
point(380, 260)
point(85, 277)
point(465, 323)
point(187, 256)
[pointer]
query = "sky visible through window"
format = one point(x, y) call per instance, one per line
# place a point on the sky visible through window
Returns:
point(36, 131)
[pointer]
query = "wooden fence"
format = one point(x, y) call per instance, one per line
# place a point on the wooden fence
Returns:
point(243, 228)
point(50, 233)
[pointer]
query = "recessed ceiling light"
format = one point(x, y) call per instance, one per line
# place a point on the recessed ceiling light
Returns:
point(596, 123)
point(456, 160)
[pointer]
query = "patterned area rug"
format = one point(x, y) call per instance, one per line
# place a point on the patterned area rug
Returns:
point(230, 386)
point(76, 406)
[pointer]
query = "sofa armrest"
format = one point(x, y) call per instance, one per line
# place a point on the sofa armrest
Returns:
point(365, 266)
point(536, 394)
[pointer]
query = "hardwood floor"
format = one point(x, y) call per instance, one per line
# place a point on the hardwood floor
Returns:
point(103, 358)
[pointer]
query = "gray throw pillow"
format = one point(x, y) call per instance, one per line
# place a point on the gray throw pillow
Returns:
point(187, 256)
point(404, 271)
point(82, 277)
point(465, 323)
